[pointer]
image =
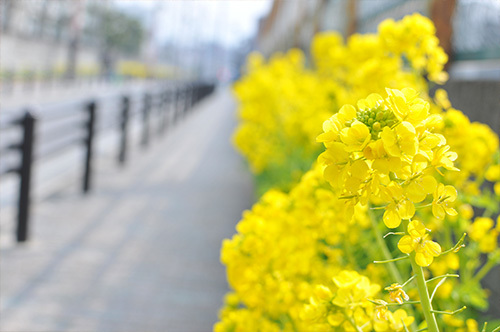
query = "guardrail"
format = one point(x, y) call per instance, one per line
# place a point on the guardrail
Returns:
point(76, 124)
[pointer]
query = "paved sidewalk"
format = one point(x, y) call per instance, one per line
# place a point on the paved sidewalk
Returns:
point(141, 252)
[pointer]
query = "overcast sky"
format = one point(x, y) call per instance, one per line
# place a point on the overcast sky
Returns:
point(189, 21)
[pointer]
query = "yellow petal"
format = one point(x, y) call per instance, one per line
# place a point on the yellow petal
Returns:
point(346, 279)
point(438, 211)
point(429, 184)
point(423, 259)
point(407, 209)
point(433, 248)
point(336, 319)
point(391, 218)
point(450, 211)
point(416, 229)
point(414, 192)
point(355, 137)
point(372, 101)
point(326, 137)
point(359, 169)
point(347, 112)
point(451, 192)
point(406, 244)
point(333, 175)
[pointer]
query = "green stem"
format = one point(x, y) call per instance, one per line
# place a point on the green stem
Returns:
point(449, 312)
point(402, 258)
point(353, 323)
point(457, 246)
point(408, 281)
point(291, 322)
point(394, 304)
point(443, 276)
point(447, 233)
point(423, 292)
point(350, 256)
point(393, 270)
point(492, 261)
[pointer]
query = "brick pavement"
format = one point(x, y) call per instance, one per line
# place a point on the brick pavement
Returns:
point(141, 252)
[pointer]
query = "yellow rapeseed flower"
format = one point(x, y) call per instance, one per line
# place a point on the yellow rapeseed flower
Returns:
point(444, 196)
point(397, 294)
point(418, 240)
point(399, 208)
point(482, 231)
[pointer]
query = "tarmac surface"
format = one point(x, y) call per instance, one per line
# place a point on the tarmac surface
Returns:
point(140, 252)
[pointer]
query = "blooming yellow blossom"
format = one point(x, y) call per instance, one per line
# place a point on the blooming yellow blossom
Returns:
point(400, 142)
point(493, 173)
point(353, 289)
point(399, 208)
point(445, 158)
point(418, 240)
point(290, 266)
point(420, 187)
point(397, 294)
point(482, 230)
point(444, 196)
point(355, 137)
point(394, 321)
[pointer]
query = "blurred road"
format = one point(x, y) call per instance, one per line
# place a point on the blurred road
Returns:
point(140, 252)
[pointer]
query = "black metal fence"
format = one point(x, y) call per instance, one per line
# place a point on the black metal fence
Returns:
point(76, 124)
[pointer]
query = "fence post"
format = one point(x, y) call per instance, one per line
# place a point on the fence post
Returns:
point(28, 123)
point(122, 156)
point(162, 112)
point(145, 119)
point(89, 142)
point(176, 95)
point(187, 100)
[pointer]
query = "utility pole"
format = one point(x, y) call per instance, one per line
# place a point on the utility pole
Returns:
point(352, 21)
point(442, 16)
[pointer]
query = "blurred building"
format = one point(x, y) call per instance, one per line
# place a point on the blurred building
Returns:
point(36, 34)
point(469, 30)
point(289, 24)
point(65, 35)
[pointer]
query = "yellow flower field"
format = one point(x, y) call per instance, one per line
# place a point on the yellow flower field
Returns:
point(380, 202)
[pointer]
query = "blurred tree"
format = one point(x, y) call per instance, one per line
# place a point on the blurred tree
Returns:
point(115, 32)
point(75, 37)
point(7, 7)
point(42, 19)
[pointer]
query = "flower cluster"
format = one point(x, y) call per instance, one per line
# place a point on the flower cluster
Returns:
point(345, 305)
point(306, 227)
point(294, 250)
point(475, 143)
point(280, 94)
point(418, 240)
point(282, 103)
point(415, 37)
point(314, 257)
point(385, 151)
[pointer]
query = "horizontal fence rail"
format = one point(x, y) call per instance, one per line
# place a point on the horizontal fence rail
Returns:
point(36, 135)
